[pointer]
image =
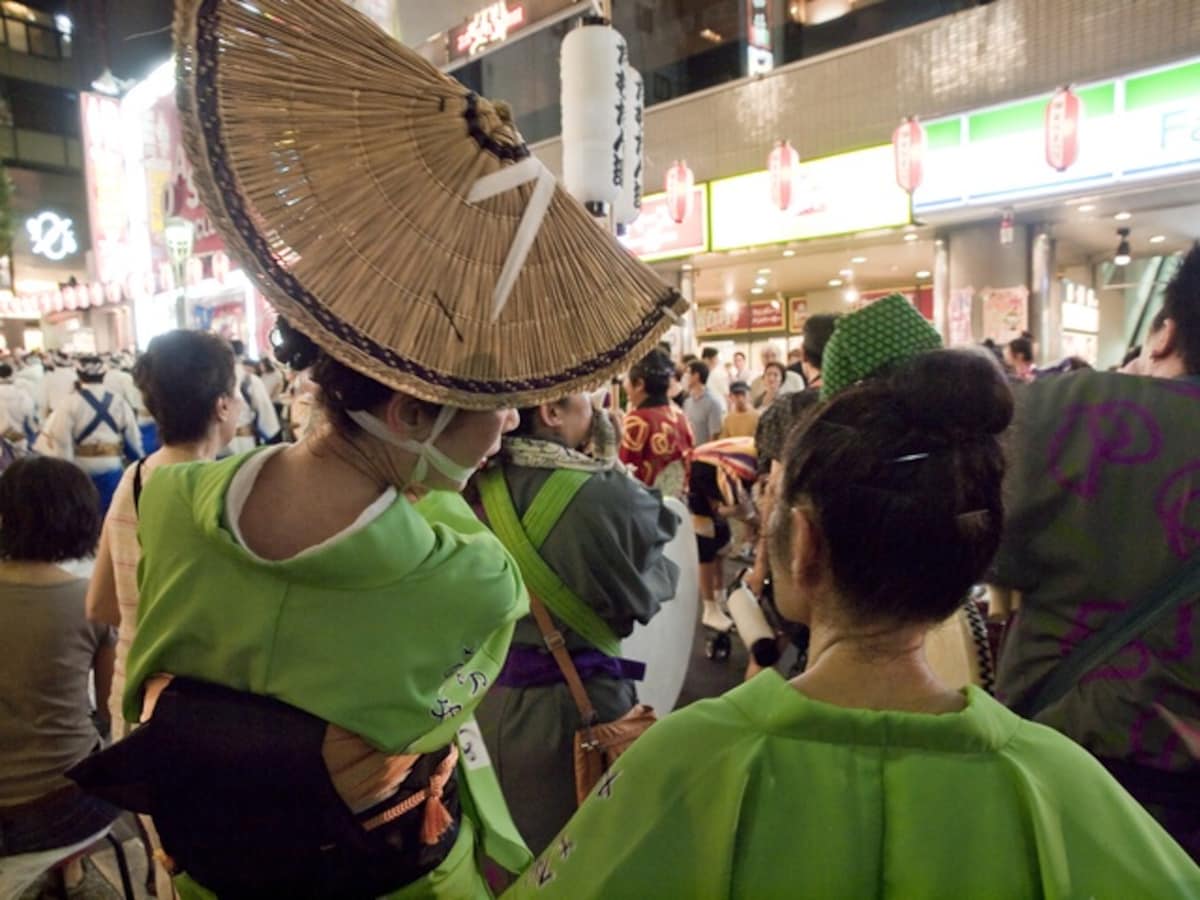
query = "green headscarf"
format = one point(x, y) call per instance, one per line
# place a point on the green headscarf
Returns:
point(887, 331)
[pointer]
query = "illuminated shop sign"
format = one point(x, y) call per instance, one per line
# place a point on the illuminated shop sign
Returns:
point(52, 236)
point(843, 194)
point(1145, 125)
point(654, 235)
point(493, 24)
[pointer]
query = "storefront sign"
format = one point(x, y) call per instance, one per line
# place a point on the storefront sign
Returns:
point(725, 319)
point(654, 235)
point(104, 141)
point(760, 55)
point(842, 194)
point(1005, 313)
point(960, 332)
point(52, 236)
point(921, 298)
point(797, 314)
point(493, 24)
point(1142, 126)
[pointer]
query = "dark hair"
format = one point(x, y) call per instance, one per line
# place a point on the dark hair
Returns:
point(696, 367)
point(181, 377)
point(239, 349)
point(738, 353)
point(1181, 304)
point(1022, 347)
point(689, 358)
point(6, 371)
point(777, 365)
point(531, 418)
point(49, 511)
point(665, 348)
point(343, 390)
point(903, 475)
point(654, 371)
point(710, 353)
point(817, 332)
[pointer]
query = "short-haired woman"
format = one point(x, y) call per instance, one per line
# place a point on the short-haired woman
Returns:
point(49, 515)
point(866, 776)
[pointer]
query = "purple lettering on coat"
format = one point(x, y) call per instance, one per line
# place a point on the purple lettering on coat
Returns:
point(1131, 663)
point(1120, 433)
point(1179, 496)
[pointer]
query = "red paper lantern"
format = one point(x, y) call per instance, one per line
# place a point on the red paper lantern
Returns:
point(1064, 112)
point(69, 299)
point(97, 291)
point(908, 146)
point(680, 186)
point(784, 166)
point(56, 301)
point(220, 265)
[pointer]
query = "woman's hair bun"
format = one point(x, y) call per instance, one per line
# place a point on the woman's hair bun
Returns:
point(962, 394)
point(292, 348)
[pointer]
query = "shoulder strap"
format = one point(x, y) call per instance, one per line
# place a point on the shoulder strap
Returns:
point(542, 580)
point(558, 649)
point(1122, 628)
point(137, 486)
point(550, 504)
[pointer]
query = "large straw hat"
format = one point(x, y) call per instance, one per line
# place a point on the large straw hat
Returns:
point(395, 217)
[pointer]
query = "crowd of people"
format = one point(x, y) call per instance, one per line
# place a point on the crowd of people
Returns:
point(353, 623)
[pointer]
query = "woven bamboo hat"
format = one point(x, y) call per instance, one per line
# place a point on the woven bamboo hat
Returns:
point(395, 217)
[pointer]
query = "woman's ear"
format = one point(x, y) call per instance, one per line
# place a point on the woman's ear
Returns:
point(223, 408)
point(1162, 342)
point(402, 414)
point(808, 548)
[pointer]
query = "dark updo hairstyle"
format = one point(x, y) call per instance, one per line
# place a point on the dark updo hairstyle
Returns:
point(1181, 304)
point(49, 511)
point(181, 376)
point(777, 365)
point(343, 390)
point(903, 476)
point(654, 371)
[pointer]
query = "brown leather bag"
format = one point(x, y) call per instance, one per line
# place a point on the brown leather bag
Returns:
point(597, 745)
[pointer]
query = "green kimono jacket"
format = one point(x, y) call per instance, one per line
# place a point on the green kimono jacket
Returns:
point(763, 793)
point(394, 631)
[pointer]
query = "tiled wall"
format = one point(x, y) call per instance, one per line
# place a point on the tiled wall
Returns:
point(1001, 51)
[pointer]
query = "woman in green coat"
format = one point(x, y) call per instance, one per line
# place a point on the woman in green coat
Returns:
point(865, 777)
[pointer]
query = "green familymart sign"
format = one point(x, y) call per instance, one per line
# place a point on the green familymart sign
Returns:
point(1139, 127)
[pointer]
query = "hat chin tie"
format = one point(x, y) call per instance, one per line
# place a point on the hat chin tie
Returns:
point(509, 178)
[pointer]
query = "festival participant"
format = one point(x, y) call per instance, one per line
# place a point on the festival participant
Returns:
point(258, 422)
point(1018, 356)
point(119, 380)
point(606, 572)
point(95, 429)
point(657, 438)
point(58, 384)
point(318, 621)
point(1101, 526)
point(18, 413)
point(889, 509)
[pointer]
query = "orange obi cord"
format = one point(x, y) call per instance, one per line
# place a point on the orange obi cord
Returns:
point(437, 818)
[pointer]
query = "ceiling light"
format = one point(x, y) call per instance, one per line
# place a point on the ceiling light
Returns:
point(756, 291)
point(1087, 208)
point(760, 281)
point(1123, 257)
point(923, 274)
point(731, 306)
point(1158, 238)
point(709, 35)
point(850, 295)
point(847, 273)
point(687, 267)
point(764, 271)
point(789, 253)
point(858, 260)
point(775, 304)
point(1123, 216)
point(911, 236)
point(836, 282)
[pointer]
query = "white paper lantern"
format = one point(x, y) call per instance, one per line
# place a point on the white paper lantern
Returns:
point(629, 203)
point(593, 114)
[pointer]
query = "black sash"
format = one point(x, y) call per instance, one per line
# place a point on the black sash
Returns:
point(240, 794)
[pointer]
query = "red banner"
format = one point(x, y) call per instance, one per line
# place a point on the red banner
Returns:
point(655, 235)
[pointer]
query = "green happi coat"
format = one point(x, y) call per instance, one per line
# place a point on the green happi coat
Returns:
point(764, 793)
point(393, 631)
